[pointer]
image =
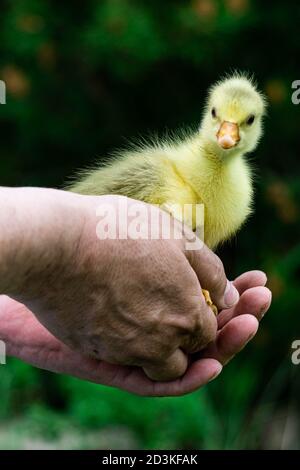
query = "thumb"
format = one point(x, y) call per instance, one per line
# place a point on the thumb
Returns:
point(211, 275)
point(170, 369)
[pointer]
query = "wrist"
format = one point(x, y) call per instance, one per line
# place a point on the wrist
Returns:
point(37, 231)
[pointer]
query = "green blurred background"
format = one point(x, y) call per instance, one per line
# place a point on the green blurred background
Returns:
point(82, 78)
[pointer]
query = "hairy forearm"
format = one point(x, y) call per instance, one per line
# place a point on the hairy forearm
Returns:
point(31, 241)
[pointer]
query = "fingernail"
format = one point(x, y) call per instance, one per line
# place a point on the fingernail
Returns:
point(218, 372)
point(266, 307)
point(231, 295)
point(264, 310)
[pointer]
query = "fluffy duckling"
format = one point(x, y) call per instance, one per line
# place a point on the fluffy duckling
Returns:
point(206, 167)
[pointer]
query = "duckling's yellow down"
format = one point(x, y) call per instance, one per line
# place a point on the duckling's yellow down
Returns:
point(194, 169)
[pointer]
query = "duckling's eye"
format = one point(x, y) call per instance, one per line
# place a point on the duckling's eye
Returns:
point(214, 113)
point(250, 119)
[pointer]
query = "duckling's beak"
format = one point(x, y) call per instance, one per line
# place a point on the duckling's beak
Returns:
point(228, 135)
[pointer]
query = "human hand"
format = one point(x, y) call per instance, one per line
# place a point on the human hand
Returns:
point(29, 341)
point(123, 301)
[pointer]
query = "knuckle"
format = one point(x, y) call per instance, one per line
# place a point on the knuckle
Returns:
point(209, 332)
point(201, 338)
point(196, 320)
point(218, 274)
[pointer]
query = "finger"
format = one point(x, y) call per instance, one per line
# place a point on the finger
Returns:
point(210, 272)
point(170, 369)
point(197, 375)
point(250, 279)
point(254, 301)
point(232, 338)
point(134, 380)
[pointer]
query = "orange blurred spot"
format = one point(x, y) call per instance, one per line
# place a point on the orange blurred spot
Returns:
point(237, 6)
point(47, 55)
point(276, 91)
point(276, 285)
point(206, 9)
point(16, 81)
point(30, 23)
point(116, 25)
point(279, 195)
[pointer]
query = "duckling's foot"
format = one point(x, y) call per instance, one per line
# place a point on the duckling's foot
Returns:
point(209, 301)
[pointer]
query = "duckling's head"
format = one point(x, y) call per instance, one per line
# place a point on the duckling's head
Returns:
point(232, 121)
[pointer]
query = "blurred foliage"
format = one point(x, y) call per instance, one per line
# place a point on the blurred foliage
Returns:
point(81, 77)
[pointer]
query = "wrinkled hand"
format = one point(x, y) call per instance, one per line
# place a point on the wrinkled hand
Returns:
point(29, 341)
point(123, 301)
